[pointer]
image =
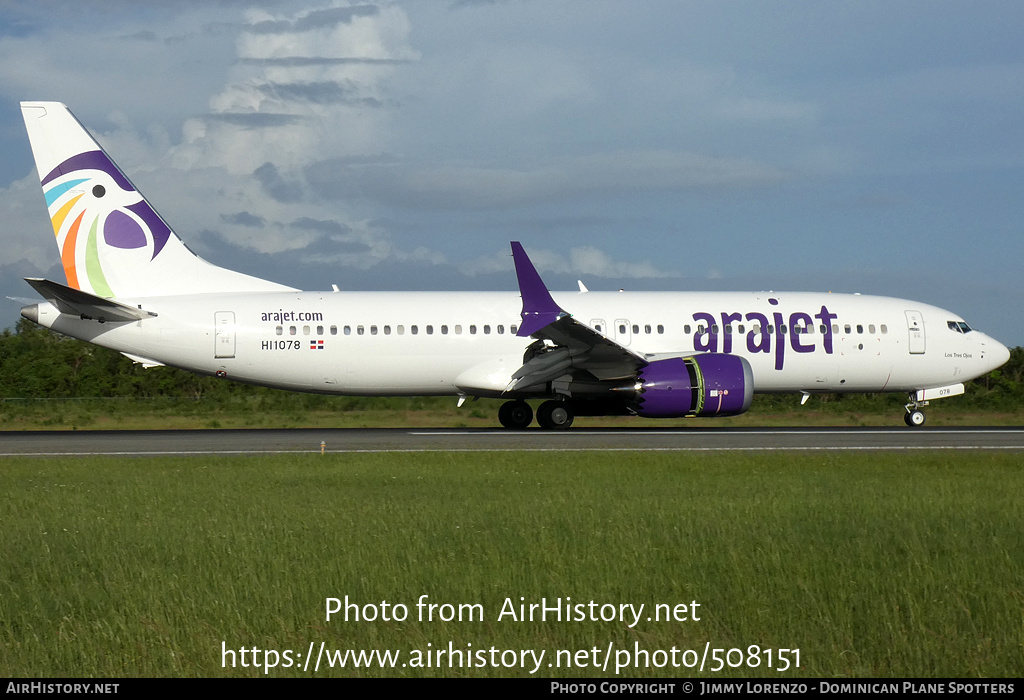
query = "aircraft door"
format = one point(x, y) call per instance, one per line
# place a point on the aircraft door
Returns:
point(622, 331)
point(915, 327)
point(224, 325)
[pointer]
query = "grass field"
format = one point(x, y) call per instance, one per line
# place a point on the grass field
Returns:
point(283, 410)
point(895, 565)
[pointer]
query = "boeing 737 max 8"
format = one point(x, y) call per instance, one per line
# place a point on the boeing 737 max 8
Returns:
point(133, 286)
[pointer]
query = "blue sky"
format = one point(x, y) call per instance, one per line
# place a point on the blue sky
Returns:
point(864, 146)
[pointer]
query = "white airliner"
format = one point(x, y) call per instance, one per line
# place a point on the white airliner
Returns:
point(133, 286)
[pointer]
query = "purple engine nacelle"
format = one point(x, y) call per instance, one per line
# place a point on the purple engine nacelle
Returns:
point(701, 385)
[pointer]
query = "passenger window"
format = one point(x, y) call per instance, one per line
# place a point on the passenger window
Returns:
point(847, 328)
point(871, 328)
point(444, 330)
point(291, 330)
point(414, 330)
point(360, 330)
point(860, 328)
point(334, 330)
point(501, 330)
point(319, 330)
point(401, 330)
point(472, 330)
point(884, 329)
point(387, 330)
point(661, 329)
point(513, 328)
point(348, 330)
point(647, 329)
point(458, 329)
point(373, 330)
point(622, 329)
point(430, 330)
point(487, 330)
point(280, 330)
point(636, 328)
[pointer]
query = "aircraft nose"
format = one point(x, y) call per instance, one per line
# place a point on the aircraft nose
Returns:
point(997, 353)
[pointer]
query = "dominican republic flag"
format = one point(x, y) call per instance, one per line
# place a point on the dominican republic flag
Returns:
point(316, 345)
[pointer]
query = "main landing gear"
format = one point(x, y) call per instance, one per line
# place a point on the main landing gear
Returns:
point(914, 417)
point(515, 414)
point(551, 415)
point(554, 415)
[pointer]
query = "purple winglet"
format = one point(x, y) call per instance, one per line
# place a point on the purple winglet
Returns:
point(539, 309)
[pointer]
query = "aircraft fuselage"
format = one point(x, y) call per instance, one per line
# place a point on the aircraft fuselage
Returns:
point(449, 343)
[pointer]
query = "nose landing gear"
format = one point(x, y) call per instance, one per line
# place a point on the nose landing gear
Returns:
point(914, 417)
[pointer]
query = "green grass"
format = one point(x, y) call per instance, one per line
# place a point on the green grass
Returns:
point(289, 410)
point(872, 565)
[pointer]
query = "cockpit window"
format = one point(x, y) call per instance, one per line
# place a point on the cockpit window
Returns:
point(959, 326)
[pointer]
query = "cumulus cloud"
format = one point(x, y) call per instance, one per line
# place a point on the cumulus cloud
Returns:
point(302, 86)
point(316, 19)
point(292, 143)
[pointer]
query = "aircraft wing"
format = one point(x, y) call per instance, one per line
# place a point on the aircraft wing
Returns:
point(78, 303)
point(565, 346)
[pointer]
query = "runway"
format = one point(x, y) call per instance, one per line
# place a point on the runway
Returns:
point(296, 441)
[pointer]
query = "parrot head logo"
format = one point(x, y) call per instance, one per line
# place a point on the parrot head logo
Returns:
point(101, 222)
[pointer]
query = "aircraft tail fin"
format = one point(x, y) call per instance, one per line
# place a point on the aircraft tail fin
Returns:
point(112, 242)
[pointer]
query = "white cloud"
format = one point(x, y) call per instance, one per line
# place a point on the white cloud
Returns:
point(299, 86)
point(305, 84)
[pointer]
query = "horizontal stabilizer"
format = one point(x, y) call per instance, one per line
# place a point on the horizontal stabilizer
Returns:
point(75, 302)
